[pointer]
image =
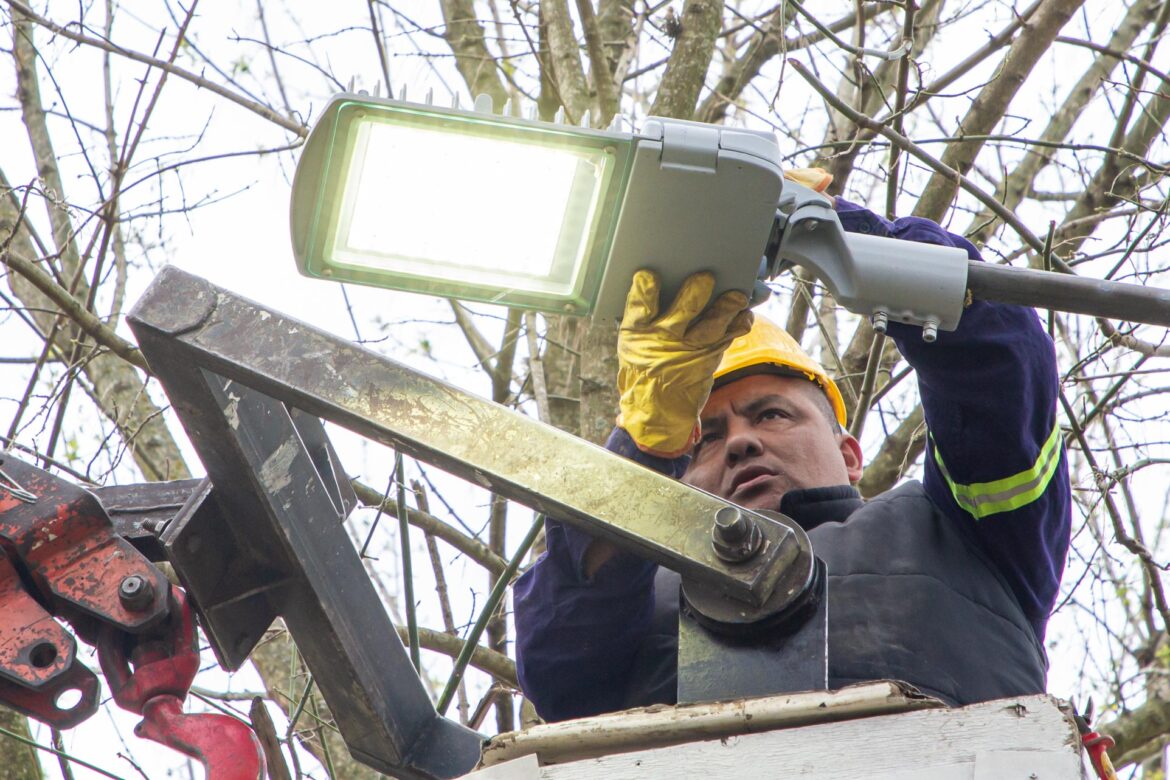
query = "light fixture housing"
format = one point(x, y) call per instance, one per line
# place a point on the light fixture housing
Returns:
point(472, 205)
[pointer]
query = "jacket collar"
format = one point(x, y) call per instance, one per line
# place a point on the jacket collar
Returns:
point(810, 507)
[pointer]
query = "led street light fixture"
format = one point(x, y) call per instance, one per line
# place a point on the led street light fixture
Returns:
point(542, 215)
point(468, 204)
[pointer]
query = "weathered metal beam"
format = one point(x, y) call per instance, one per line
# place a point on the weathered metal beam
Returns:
point(140, 511)
point(183, 320)
point(263, 536)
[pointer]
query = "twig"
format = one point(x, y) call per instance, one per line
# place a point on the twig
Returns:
point(208, 693)
point(62, 757)
point(498, 665)
point(377, 517)
point(1150, 567)
point(12, 444)
point(501, 371)
point(326, 751)
point(858, 51)
point(1102, 404)
point(799, 306)
point(485, 703)
point(380, 45)
point(909, 146)
point(476, 340)
point(75, 310)
point(536, 369)
point(865, 394)
point(72, 372)
point(407, 568)
point(421, 501)
point(32, 743)
point(251, 105)
point(1120, 474)
point(1047, 260)
point(276, 70)
point(895, 164)
point(473, 548)
point(497, 626)
point(299, 708)
point(487, 613)
point(49, 344)
point(266, 732)
point(830, 343)
point(890, 385)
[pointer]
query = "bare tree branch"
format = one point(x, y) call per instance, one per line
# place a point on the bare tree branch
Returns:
point(256, 108)
point(1013, 189)
point(993, 101)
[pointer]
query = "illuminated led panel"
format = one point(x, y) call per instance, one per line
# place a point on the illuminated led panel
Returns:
point(423, 199)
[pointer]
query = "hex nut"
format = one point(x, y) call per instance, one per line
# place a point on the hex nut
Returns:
point(136, 593)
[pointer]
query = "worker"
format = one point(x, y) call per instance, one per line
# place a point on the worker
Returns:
point(946, 584)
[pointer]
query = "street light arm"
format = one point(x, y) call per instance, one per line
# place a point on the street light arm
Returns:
point(926, 284)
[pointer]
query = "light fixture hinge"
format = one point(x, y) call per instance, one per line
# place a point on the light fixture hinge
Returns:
point(690, 145)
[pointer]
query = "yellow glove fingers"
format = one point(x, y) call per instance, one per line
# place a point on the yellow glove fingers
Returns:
point(711, 328)
point(641, 300)
point(740, 325)
point(813, 178)
point(691, 299)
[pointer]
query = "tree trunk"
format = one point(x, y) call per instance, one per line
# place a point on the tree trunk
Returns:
point(18, 761)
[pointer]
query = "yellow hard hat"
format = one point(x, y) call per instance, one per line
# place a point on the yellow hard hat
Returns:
point(767, 344)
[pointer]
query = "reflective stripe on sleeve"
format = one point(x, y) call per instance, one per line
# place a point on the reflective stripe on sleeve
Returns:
point(982, 499)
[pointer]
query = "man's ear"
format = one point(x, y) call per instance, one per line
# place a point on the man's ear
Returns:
point(851, 454)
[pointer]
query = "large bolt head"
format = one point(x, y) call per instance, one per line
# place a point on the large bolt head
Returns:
point(136, 593)
point(735, 537)
point(730, 525)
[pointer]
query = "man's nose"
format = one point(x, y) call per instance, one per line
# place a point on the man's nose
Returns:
point(742, 443)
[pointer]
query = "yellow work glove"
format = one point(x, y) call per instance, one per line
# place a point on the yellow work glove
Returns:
point(666, 363)
point(813, 178)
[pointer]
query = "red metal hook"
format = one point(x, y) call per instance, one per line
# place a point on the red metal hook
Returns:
point(1098, 745)
point(163, 672)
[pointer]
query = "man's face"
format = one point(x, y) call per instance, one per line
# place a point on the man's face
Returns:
point(764, 435)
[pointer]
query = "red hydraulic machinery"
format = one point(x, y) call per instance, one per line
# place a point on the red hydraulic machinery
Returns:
point(62, 560)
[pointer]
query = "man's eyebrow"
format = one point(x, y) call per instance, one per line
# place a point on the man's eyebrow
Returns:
point(710, 421)
point(764, 401)
point(752, 408)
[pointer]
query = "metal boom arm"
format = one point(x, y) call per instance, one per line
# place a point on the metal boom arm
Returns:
point(263, 536)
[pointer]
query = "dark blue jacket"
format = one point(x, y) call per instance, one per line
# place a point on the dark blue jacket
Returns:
point(995, 466)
